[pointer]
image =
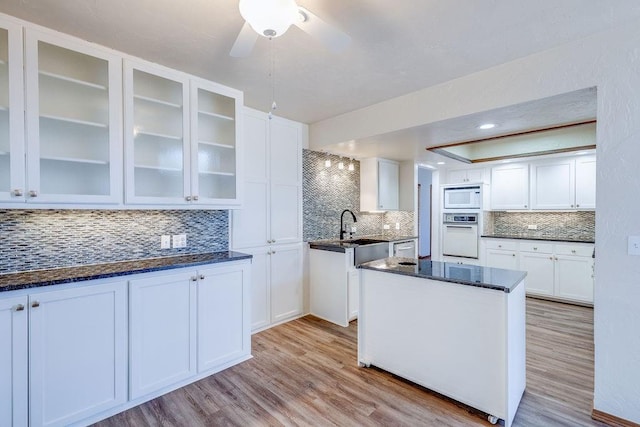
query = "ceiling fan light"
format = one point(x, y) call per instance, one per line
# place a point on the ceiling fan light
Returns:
point(269, 18)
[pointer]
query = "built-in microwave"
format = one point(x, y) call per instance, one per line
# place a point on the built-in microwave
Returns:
point(463, 197)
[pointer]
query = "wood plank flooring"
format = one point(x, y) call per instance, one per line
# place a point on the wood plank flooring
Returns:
point(304, 373)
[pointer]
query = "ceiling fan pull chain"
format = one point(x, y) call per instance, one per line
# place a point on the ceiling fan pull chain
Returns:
point(272, 75)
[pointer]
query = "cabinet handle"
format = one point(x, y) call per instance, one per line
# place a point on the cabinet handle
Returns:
point(35, 304)
point(551, 258)
point(188, 198)
point(577, 206)
point(273, 241)
point(499, 246)
point(571, 205)
point(17, 192)
point(194, 278)
point(20, 307)
point(202, 277)
point(525, 206)
point(535, 249)
point(195, 198)
point(273, 252)
point(33, 193)
point(573, 251)
point(513, 254)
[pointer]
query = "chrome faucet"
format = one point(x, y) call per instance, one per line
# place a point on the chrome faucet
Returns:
point(342, 230)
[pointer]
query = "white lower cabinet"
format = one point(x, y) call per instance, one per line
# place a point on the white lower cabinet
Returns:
point(13, 362)
point(574, 277)
point(77, 353)
point(502, 254)
point(163, 331)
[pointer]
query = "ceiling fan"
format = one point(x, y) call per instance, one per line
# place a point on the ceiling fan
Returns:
point(272, 18)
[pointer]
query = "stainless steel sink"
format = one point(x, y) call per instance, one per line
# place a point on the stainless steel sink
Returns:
point(366, 252)
point(363, 241)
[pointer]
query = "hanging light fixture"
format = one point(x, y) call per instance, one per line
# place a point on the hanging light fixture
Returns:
point(269, 18)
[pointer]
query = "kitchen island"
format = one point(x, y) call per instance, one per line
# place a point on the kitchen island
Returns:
point(456, 329)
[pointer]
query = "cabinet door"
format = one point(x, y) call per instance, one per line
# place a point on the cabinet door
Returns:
point(74, 110)
point(574, 278)
point(540, 273)
point(223, 315)
point(510, 187)
point(286, 181)
point(353, 280)
point(586, 182)
point(456, 176)
point(286, 282)
point(13, 362)
point(156, 135)
point(12, 166)
point(475, 175)
point(162, 331)
point(215, 147)
point(260, 287)
point(553, 184)
point(388, 181)
point(498, 258)
point(77, 353)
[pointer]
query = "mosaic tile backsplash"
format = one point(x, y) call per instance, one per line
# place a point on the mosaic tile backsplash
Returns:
point(327, 191)
point(562, 225)
point(39, 239)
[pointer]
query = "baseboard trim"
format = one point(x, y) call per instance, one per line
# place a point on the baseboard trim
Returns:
point(611, 420)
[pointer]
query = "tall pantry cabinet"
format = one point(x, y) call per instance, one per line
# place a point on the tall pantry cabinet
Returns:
point(270, 224)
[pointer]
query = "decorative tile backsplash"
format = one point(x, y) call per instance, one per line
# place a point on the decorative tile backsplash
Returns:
point(327, 191)
point(561, 225)
point(38, 239)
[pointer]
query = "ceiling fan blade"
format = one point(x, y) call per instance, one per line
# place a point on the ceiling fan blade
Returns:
point(334, 39)
point(245, 42)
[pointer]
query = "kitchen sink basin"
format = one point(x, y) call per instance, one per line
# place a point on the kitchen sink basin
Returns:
point(370, 251)
point(363, 241)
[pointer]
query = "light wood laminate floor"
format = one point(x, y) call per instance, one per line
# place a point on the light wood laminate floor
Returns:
point(305, 373)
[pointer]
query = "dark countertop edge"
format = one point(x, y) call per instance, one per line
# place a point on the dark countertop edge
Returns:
point(544, 239)
point(504, 289)
point(330, 247)
point(121, 268)
point(334, 246)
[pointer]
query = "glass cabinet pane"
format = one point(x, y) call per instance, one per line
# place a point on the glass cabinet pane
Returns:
point(158, 151)
point(73, 95)
point(5, 149)
point(216, 145)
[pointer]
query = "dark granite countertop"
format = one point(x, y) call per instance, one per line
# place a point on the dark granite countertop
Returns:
point(336, 245)
point(56, 276)
point(464, 274)
point(544, 238)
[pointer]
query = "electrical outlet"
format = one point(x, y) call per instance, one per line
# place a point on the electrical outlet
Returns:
point(179, 240)
point(165, 241)
point(397, 226)
point(532, 227)
point(386, 227)
point(353, 229)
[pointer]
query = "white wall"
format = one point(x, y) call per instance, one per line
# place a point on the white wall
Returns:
point(611, 61)
point(425, 217)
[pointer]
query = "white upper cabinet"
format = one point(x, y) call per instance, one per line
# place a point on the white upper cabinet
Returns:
point(12, 166)
point(459, 176)
point(510, 187)
point(553, 184)
point(379, 185)
point(181, 138)
point(73, 112)
point(586, 182)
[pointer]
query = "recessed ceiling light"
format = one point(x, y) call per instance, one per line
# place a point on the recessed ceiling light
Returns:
point(440, 163)
point(487, 126)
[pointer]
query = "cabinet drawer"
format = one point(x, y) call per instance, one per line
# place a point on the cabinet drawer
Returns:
point(537, 247)
point(574, 249)
point(502, 244)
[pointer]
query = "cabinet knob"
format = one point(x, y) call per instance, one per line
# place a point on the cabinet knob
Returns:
point(35, 304)
point(577, 206)
point(188, 198)
point(33, 193)
point(535, 249)
point(194, 278)
point(573, 251)
point(499, 246)
point(17, 192)
point(513, 254)
point(571, 205)
point(525, 206)
point(551, 258)
point(195, 198)
point(20, 307)
point(202, 277)
point(273, 252)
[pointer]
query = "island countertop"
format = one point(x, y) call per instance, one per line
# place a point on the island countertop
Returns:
point(56, 276)
point(464, 274)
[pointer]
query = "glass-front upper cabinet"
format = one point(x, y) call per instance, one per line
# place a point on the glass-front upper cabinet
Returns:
point(215, 143)
point(74, 98)
point(156, 135)
point(12, 163)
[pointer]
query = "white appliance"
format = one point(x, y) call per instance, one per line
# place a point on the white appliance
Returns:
point(404, 249)
point(460, 235)
point(463, 197)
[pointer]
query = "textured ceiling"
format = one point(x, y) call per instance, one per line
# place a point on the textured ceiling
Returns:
point(398, 47)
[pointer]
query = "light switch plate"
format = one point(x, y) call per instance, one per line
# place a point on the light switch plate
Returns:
point(634, 245)
point(179, 240)
point(165, 241)
point(532, 227)
point(386, 227)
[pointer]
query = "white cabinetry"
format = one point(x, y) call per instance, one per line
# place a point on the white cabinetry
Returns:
point(574, 272)
point(510, 187)
point(458, 176)
point(77, 353)
point(536, 258)
point(14, 362)
point(586, 182)
point(502, 254)
point(553, 184)
point(379, 185)
point(12, 165)
point(180, 143)
point(270, 224)
point(74, 130)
